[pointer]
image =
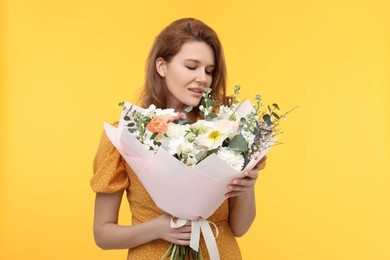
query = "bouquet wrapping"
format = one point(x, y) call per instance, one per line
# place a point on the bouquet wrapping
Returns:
point(188, 193)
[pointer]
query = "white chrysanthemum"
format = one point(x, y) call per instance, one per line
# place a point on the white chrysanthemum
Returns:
point(249, 137)
point(232, 158)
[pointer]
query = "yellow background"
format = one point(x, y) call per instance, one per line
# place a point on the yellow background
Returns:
point(66, 64)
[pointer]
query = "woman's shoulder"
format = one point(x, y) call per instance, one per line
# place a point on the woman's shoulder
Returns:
point(108, 167)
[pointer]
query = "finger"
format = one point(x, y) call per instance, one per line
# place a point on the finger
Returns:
point(233, 194)
point(183, 236)
point(182, 239)
point(261, 164)
point(182, 242)
point(251, 174)
point(184, 230)
point(239, 187)
point(243, 182)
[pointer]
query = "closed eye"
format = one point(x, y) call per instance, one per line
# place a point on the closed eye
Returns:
point(194, 68)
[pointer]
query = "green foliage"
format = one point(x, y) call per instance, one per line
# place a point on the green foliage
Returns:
point(238, 143)
point(188, 109)
point(275, 115)
point(267, 119)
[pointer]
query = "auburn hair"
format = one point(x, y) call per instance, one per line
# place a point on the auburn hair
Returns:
point(166, 45)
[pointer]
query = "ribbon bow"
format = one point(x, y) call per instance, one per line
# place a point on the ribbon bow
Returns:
point(198, 226)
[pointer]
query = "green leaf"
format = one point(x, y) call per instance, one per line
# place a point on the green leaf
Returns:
point(267, 119)
point(199, 156)
point(238, 143)
point(188, 109)
point(276, 106)
point(182, 121)
point(211, 103)
point(211, 116)
point(126, 118)
point(212, 151)
point(246, 159)
point(131, 124)
point(153, 135)
point(275, 115)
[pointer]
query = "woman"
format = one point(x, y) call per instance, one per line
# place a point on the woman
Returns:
point(186, 57)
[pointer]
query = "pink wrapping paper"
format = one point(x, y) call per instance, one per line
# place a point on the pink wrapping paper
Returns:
point(185, 192)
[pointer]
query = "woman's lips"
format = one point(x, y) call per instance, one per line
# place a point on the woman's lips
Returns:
point(196, 90)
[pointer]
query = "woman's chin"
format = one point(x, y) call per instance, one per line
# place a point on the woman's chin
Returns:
point(187, 103)
point(192, 104)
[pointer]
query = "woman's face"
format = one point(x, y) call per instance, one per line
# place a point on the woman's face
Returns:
point(187, 74)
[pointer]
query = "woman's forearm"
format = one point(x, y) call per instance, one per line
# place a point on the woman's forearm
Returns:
point(109, 235)
point(242, 212)
point(114, 236)
point(242, 204)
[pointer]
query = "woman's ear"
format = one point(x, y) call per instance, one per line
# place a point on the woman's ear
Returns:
point(161, 66)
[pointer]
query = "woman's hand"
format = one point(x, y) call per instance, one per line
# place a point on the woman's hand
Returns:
point(241, 185)
point(178, 236)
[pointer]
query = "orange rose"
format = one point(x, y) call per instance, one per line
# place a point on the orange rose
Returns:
point(158, 125)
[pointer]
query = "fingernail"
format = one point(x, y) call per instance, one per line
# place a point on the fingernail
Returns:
point(235, 182)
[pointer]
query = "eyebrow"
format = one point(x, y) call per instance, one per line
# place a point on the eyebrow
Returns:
point(212, 65)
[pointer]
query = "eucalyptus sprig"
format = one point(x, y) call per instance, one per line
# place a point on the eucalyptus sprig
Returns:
point(237, 89)
point(136, 122)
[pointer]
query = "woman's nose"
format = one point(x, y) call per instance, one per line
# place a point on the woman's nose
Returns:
point(201, 77)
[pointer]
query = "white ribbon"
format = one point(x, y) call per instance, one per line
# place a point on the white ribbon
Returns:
point(198, 226)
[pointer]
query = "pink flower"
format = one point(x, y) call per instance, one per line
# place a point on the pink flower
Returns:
point(158, 125)
point(179, 116)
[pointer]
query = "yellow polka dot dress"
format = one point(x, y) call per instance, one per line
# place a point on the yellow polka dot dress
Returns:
point(112, 174)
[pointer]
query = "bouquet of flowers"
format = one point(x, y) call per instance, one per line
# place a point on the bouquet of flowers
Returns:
point(235, 135)
point(174, 158)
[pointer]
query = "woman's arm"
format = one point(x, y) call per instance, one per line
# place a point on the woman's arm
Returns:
point(109, 235)
point(242, 205)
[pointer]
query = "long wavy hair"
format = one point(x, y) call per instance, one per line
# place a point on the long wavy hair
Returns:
point(166, 45)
